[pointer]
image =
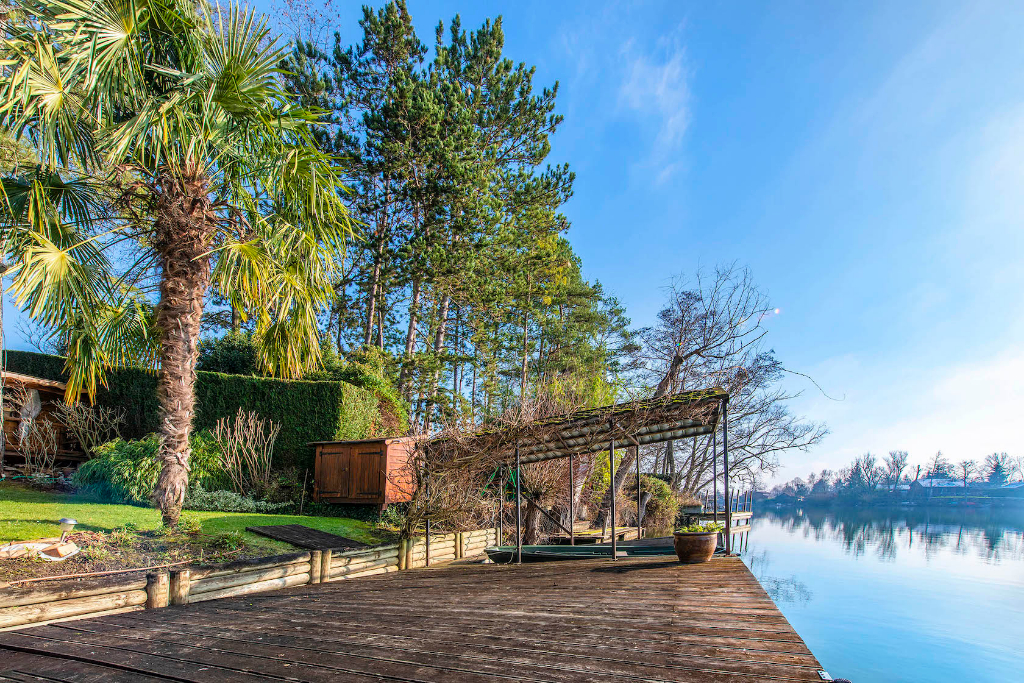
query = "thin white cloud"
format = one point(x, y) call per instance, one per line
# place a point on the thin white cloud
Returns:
point(655, 89)
point(657, 85)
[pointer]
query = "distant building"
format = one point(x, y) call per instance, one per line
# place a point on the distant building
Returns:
point(938, 483)
point(882, 486)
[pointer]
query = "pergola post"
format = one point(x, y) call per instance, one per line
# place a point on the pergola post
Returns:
point(501, 505)
point(572, 503)
point(714, 469)
point(519, 510)
point(725, 474)
point(426, 485)
point(611, 468)
point(639, 509)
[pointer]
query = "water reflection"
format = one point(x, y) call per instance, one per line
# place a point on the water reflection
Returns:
point(781, 590)
point(907, 595)
point(993, 536)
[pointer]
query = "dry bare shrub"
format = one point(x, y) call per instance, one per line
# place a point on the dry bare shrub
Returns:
point(39, 447)
point(37, 440)
point(247, 447)
point(92, 426)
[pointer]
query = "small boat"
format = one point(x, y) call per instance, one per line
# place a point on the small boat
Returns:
point(506, 554)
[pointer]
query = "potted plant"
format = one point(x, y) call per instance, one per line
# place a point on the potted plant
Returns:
point(696, 542)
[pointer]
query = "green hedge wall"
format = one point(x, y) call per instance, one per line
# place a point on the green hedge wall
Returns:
point(307, 411)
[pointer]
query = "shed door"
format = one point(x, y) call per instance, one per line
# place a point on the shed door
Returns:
point(333, 475)
point(365, 471)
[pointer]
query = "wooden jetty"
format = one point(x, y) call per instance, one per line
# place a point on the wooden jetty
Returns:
point(590, 620)
point(740, 520)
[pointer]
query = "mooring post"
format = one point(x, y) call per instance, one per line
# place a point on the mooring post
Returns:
point(519, 511)
point(639, 509)
point(611, 468)
point(725, 474)
point(572, 504)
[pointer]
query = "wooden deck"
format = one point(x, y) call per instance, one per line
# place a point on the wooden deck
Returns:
point(594, 620)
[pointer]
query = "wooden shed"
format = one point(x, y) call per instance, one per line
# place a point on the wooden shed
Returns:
point(366, 472)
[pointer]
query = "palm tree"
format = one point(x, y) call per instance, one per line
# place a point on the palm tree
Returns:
point(169, 161)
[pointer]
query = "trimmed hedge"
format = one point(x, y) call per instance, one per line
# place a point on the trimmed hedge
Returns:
point(307, 411)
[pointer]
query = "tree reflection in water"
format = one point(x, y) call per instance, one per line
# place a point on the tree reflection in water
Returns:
point(993, 535)
point(780, 590)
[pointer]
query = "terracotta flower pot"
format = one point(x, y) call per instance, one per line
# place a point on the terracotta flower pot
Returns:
point(694, 548)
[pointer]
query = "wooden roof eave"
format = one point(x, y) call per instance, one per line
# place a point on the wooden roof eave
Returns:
point(35, 382)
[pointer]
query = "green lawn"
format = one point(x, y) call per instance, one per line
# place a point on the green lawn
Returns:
point(26, 513)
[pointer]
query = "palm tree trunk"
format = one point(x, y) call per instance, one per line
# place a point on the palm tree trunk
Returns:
point(183, 234)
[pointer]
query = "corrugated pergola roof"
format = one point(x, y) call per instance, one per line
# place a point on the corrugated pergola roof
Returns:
point(655, 420)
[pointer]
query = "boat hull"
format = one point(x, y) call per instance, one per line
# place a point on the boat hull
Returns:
point(557, 553)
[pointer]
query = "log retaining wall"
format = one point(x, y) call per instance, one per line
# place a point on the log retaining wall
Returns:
point(67, 599)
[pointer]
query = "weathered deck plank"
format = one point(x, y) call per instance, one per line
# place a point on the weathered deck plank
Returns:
point(563, 622)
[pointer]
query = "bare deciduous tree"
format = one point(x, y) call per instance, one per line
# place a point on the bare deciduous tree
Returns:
point(966, 469)
point(895, 463)
point(711, 333)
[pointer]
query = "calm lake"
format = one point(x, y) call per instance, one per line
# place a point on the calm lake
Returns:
point(921, 595)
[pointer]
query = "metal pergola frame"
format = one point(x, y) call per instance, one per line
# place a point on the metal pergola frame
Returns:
point(598, 429)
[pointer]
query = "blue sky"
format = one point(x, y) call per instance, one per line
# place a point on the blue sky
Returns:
point(865, 160)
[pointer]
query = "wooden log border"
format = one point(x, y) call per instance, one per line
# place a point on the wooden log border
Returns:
point(84, 598)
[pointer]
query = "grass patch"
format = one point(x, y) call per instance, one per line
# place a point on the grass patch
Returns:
point(26, 514)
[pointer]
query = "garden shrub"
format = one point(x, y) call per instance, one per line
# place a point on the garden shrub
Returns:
point(199, 498)
point(663, 505)
point(375, 371)
point(229, 540)
point(232, 354)
point(122, 471)
point(307, 411)
point(126, 471)
point(190, 525)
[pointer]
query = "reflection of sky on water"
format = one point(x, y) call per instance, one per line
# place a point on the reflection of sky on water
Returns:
point(916, 595)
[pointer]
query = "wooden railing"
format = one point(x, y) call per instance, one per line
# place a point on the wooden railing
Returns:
point(739, 502)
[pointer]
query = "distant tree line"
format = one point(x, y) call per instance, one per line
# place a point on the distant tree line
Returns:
point(867, 475)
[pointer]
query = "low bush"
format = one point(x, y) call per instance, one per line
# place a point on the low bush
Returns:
point(126, 471)
point(199, 498)
point(663, 505)
point(190, 525)
point(123, 536)
point(231, 540)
